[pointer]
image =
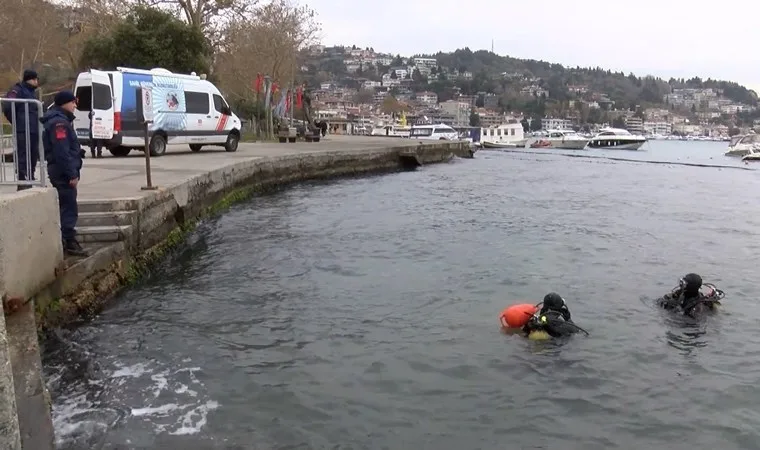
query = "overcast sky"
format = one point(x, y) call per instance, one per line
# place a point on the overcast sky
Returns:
point(660, 37)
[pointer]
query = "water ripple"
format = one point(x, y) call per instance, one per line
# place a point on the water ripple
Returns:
point(300, 321)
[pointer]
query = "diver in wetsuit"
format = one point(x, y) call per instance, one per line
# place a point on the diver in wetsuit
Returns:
point(554, 318)
point(688, 298)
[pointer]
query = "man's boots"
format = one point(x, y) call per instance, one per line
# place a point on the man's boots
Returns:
point(72, 248)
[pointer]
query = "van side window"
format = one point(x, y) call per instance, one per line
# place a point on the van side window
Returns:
point(84, 98)
point(218, 104)
point(197, 103)
point(101, 96)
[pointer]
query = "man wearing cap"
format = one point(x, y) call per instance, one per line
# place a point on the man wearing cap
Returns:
point(64, 162)
point(24, 90)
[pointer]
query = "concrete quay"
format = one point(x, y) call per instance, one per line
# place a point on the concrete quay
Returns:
point(126, 229)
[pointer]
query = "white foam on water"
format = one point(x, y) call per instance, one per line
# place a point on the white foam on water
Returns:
point(195, 419)
point(168, 401)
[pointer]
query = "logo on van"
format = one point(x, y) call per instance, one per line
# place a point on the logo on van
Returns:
point(172, 101)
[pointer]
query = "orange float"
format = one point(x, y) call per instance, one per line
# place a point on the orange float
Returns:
point(516, 316)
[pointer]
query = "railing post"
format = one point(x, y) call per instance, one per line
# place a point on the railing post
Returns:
point(22, 157)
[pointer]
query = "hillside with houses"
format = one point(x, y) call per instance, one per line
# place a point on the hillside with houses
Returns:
point(363, 87)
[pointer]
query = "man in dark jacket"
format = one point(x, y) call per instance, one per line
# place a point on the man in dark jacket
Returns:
point(64, 157)
point(24, 90)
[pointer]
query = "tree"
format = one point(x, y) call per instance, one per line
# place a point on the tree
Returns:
point(268, 44)
point(474, 119)
point(364, 96)
point(391, 105)
point(618, 122)
point(149, 38)
point(211, 17)
point(394, 75)
point(31, 34)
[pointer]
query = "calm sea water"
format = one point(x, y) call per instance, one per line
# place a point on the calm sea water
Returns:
point(362, 314)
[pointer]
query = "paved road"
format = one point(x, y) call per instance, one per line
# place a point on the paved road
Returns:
point(111, 177)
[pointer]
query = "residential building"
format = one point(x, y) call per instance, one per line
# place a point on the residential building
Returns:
point(634, 124)
point(534, 90)
point(551, 123)
point(428, 98)
point(382, 60)
point(469, 99)
point(401, 72)
point(459, 110)
point(380, 96)
point(424, 62)
point(658, 128)
point(490, 119)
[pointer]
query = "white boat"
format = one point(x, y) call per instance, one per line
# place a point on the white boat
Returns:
point(561, 139)
point(617, 138)
point(391, 131)
point(751, 156)
point(742, 145)
point(508, 135)
point(438, 132)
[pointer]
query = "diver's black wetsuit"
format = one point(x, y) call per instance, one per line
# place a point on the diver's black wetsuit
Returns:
point(687, 297)
point(554, 318)
point(553, 323)
point(690, 305)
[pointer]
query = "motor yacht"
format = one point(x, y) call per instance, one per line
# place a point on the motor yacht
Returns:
point(617, 138)
point(743, 145)
point(561, 139)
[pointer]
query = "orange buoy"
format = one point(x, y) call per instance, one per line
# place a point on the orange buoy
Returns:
point(516, 316)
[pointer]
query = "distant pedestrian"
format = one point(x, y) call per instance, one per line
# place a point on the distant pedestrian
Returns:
point(64, 157)
point(96, 145)
point(24, 89)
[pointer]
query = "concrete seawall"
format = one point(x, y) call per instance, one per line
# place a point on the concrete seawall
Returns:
point(129, 232)
point(31, 257)
point(126, 229)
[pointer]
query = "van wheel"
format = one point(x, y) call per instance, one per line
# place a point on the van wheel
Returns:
point(157, 145)
point(196, 147)
point(120, 151)
point(232, 142)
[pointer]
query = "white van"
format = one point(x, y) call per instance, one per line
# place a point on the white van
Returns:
point(186, 110)
point(435, 132)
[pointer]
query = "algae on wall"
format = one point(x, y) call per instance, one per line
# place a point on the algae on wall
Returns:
point(93, 292)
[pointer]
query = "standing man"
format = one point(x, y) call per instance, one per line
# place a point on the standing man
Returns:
point(96, 145)
point(25, 90)
point(64, 161)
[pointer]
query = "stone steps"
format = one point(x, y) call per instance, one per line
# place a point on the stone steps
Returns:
point(109, 233)
point(106, 218)
point(101, 206)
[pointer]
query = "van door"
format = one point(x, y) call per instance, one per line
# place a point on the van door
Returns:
point(222, 114)
point(200, 121)
point(83, 93)
point(102, 105)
